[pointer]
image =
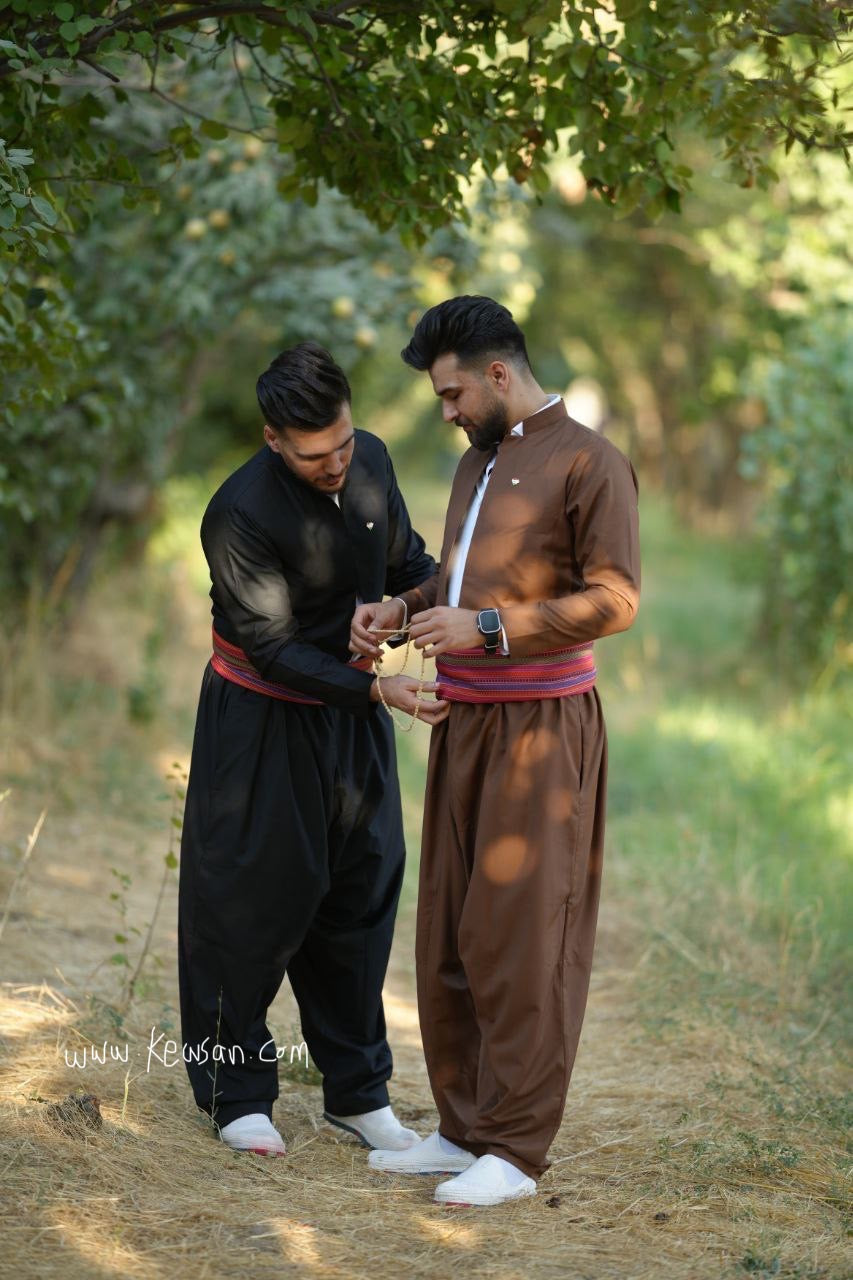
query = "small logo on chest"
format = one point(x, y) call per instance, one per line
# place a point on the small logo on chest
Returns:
point(515, 480)
point(370, 524)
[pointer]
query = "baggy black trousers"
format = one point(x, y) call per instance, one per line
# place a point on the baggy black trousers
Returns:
point(292, 860)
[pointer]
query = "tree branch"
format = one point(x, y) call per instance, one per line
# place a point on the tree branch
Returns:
point(249, 107)
point(199, 115)
point(102, 71)
point(127, 22)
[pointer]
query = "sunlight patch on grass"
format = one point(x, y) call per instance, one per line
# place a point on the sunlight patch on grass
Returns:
point(299, 1241)
point(772, 754)
point(451, 1232)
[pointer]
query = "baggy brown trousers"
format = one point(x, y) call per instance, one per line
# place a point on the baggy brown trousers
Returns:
point(508, 901)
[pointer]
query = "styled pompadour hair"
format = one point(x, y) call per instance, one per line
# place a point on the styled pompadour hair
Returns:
point(472, 327)
point(303, 388)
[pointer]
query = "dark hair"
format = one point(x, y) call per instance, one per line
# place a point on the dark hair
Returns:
point(472, 327)
point(303, 388)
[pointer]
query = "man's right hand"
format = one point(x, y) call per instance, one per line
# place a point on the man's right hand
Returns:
point(380, 617)
point(401, 692)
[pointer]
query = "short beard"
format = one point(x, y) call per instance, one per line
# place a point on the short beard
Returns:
point(487, 436)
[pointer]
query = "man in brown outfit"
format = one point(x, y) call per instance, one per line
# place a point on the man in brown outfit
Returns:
point(540, 559)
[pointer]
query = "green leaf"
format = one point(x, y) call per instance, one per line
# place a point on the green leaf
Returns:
point(68, 31)
point(289, 185)
point(45, 210)
point(213, 129)
point(64, 12)
point(539, 180)
point(580, 58)
point(271, 39)
point(536, 25)
point(673, 199)
point(302, 19)
point(143, 43)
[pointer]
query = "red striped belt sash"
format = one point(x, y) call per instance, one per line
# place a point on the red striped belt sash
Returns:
point(232, 664)
point(467, 675)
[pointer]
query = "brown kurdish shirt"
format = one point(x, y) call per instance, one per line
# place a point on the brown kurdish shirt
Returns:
point(556, 543)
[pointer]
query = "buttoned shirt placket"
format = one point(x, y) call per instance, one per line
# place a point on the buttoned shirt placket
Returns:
point(459, 554)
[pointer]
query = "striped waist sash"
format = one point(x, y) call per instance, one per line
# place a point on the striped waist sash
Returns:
point(469, 676)
point(232, 664)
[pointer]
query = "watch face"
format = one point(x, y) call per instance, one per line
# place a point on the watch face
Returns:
point(488, 621)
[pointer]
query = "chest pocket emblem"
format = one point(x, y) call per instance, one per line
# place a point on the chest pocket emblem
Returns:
point(370, 524)
point(515, 481)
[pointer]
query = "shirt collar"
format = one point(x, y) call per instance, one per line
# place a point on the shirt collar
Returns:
point(518, 429)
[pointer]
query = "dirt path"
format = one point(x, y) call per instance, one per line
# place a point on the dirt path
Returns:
point(152, 1194)
point(669, 1162)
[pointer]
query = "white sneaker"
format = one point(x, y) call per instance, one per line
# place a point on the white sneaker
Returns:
point(255, 1133)
point(434, 1155)
point(489, 1180)
point(377, 1129)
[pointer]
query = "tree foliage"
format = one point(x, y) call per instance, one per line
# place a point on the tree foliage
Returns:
point(104, 350)
point(170, 172)
point(396, 104)
point(806, 451)
point(675, 320)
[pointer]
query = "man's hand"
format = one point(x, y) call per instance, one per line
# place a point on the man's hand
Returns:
point(441, 629)
point(401, 692)
point(378, 617)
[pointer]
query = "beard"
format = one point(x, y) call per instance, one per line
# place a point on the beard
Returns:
point(490, 431)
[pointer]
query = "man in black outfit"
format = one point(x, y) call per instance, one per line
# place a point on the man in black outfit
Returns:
point(292, 851)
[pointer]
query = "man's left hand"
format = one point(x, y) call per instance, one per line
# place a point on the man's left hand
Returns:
point(441, 629)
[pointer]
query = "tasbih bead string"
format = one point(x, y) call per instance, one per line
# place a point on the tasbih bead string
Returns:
point(405, 726)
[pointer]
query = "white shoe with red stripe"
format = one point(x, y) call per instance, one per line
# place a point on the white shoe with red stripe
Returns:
point(255, 1133)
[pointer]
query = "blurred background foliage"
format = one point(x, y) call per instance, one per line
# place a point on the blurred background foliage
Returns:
point(660, 194)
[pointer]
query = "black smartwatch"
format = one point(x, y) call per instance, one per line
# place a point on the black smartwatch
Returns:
point(489, 627)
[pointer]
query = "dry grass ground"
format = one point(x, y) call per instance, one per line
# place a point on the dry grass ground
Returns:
point(695, 1143)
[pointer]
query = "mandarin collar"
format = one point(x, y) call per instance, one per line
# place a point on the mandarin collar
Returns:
point(551, 416)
